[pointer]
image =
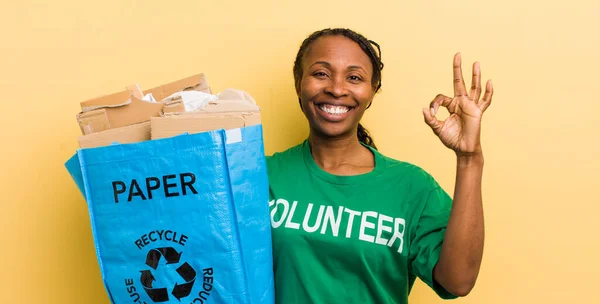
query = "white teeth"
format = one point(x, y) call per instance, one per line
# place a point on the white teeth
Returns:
point(336, 110)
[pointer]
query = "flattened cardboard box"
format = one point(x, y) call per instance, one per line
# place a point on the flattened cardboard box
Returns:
point(127, 108)
point(193, 83)
point(133, 111)
point(220, 114)
point(93, 121)
point(124, 135)
point(173, 125)
point(176, 107)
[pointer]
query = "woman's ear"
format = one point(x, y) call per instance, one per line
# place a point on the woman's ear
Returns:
point(370, 103)
point(298, 94)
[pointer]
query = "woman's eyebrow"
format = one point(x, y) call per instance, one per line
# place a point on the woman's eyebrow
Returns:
point(356, 67)
point(328, 65)
point(325, 63)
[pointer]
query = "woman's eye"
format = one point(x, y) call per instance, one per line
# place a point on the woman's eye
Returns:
point(355, 78)
point(320, 74)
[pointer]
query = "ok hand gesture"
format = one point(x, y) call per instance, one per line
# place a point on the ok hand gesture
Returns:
point(461, 130)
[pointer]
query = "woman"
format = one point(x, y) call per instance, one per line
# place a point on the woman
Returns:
point(351, 225)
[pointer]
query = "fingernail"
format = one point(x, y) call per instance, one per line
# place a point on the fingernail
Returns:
point(432, 110)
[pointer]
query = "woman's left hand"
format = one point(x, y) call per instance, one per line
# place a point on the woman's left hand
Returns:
point(461, 130)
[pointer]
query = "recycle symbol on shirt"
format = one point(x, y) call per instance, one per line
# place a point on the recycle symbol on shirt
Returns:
point(185, 271)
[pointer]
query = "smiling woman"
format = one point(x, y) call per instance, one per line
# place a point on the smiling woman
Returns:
point(351, 225)
point(364, 75)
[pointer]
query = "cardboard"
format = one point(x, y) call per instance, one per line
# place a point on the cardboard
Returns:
point(117, 114)
point(241, 111)
point(196, 122)
point(135, 90)
point(127, 107)
point(193, 83)
point(125, 117)
point(231, 106)
point(235, 94)
point(107, 101)
point(124, 135)
point(93, 121)
point(176, 107)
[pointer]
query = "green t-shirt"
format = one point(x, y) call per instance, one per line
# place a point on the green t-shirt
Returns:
point(353, 239)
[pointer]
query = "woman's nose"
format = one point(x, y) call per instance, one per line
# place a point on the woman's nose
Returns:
point(336, 87)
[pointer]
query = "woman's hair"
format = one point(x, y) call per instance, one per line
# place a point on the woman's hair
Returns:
point(366, 45)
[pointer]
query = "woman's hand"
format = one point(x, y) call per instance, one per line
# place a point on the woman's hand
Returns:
point(461, 130)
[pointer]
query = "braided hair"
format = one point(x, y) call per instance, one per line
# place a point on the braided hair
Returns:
point(368, 46)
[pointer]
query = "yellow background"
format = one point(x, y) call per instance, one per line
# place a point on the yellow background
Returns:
point(540, 135)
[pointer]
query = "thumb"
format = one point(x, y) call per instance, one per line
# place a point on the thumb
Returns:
point(431, 121)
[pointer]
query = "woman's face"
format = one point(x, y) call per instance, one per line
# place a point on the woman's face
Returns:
point(335, 88)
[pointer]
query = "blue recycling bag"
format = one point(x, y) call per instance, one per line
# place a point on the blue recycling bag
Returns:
point(182, 219)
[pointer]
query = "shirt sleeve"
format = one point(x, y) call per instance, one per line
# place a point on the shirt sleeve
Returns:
point(426, 245)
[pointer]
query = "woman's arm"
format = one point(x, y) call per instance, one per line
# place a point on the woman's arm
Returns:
point(462, 250)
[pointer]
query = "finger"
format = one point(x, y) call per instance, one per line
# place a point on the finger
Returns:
point(431, 121)
point(459, 83)
point(487, 97)
point(475, 92)
point(440, 100)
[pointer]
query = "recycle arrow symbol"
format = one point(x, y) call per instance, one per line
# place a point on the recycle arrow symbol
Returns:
point(185, 271)
point(170, 254)
point(189, 275)
point(156, 294)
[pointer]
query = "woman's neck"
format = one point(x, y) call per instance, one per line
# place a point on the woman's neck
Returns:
point(341, 156)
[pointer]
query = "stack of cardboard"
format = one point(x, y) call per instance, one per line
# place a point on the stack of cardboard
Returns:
point(133, 115)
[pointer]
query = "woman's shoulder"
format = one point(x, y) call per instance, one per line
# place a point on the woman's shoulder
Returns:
point(405, 169)
point(288, 157)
